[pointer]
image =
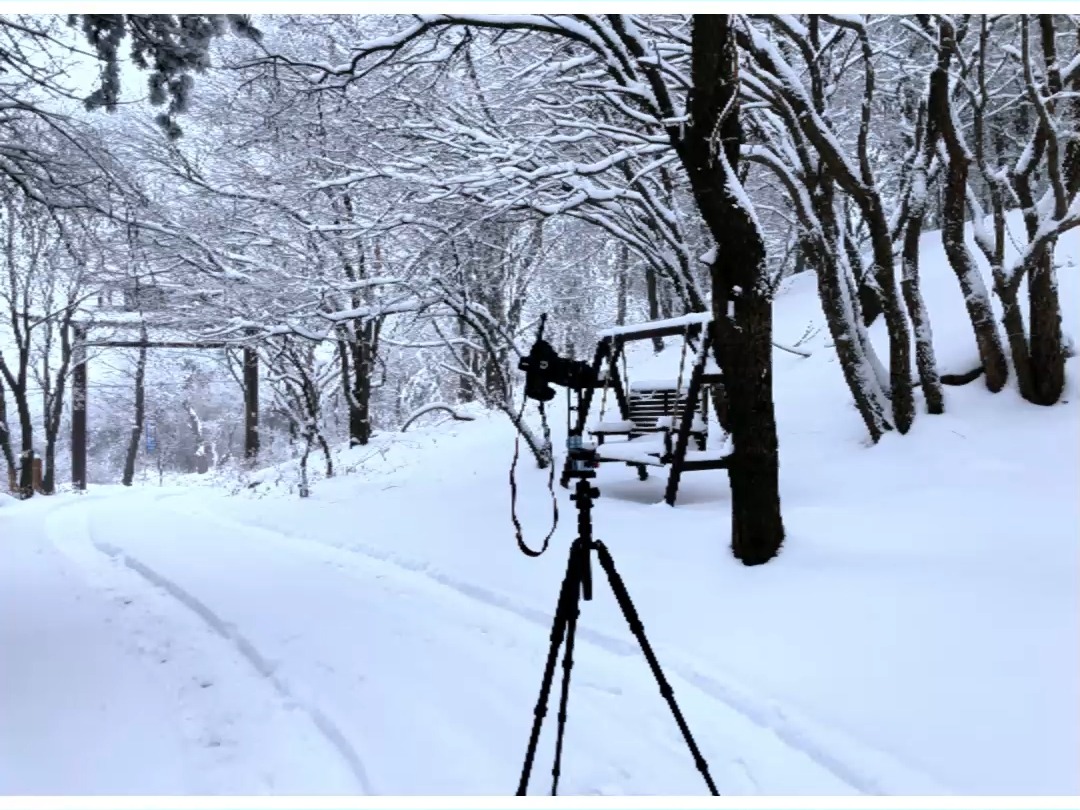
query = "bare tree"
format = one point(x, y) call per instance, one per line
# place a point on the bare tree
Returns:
point(642, 83)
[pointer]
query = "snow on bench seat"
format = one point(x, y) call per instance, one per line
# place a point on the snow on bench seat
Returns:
point(613, 426)
point(633, 452)
point(658, 385)
point(719, 454)
point(697, 425)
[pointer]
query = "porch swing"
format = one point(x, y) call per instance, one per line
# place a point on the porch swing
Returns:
point(658, 417)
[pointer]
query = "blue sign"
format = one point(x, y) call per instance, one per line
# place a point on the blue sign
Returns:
point(151, 436)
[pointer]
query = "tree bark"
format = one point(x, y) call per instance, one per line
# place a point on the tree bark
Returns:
point(54, 402)
point(200, 460)
point(1044, 305)
point(925, 361)
point(358, 386)
point(26, 427)
point(861, 187)
point(622, 273)
point(139, 417)
point(954, 214)
point(741, 302)
point(5, 433)
point(842, 320)
point(653, 293)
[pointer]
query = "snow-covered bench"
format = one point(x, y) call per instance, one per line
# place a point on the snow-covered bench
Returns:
point(655, 407)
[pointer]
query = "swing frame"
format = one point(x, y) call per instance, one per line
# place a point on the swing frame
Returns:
point(611, 348)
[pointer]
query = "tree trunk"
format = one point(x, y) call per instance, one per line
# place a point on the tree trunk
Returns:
point(5, 433)
point(305, 488)
point(925, 361)
point(201, 461)
point(325, 447)
point(78, 407)
point(48, 476)
point(360, 392)
point(842, 320)
point(742, 305)
point(653, 293)
point(139, 417)
point(901, 389)
point(1047, 346)
point(466, 387)
point(622, 273)
point(954, 213)
point(26, 426)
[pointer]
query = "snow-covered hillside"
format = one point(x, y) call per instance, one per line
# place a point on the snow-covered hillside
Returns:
point(917, 635)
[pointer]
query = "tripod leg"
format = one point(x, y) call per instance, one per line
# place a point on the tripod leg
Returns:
point(622, 596)
point(568, 663)
point(569, 594)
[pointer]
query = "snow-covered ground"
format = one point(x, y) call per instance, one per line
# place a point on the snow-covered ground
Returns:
point(919, 634)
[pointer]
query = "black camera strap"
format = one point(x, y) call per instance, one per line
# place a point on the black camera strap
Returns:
point(551, 483)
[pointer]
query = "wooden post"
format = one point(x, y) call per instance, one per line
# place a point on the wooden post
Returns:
point(35, 475)
point(78, 408)
point(682, 439)
point(251, 403)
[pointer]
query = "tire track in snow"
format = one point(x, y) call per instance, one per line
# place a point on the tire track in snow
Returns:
point(251, 654)
point(265, 667)
point(877, 773)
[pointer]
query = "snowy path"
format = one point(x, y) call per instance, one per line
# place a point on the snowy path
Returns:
point(148, 701)
point(422, 686)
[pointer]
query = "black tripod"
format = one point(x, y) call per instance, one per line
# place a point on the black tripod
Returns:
point(577, 585)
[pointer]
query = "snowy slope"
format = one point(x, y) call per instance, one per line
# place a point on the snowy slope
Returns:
point(918, 634)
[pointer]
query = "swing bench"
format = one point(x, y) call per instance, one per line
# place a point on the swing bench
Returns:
point(659, 417)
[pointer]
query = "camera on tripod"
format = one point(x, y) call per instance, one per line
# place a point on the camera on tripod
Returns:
point(543, 368)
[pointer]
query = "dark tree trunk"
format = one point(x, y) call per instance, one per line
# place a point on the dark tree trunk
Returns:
point(360, 391)
point(1047, 350)
point(653, 292)
point(901, 390)
point(201, 461)
point(954, 213)
point(305, 487)
point(5, 434)
point(1044, 305)
point(742, 305)
point(863, 190)
point(26, 426)
point(48, 476)
point(466, 389)
point(78, 407)
point(622, 274)
point(909, 279)
point(841, 319)
point(1043, 353)
point(325, 447)
point(251, 404)
point(54, 405)
point(925, 361)
point(139, 417)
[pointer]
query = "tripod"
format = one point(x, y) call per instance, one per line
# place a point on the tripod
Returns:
point(577, 585)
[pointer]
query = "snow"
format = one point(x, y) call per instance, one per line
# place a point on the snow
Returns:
point(659, 385)
point(682, 320)
point(612, 426)
point(917, 635)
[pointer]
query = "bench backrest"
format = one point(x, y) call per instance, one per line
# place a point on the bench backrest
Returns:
point(646, 405)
